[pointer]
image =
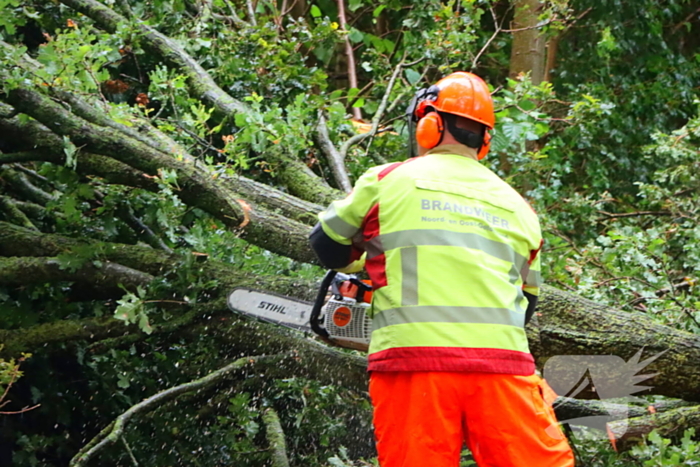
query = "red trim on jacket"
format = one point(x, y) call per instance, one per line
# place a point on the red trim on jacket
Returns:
point(370, 224)
point(376, 268)
point(473, 360)
point(391, 168)
point(533, 253)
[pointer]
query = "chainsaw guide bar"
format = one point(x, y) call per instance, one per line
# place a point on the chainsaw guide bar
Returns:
point(271, 307)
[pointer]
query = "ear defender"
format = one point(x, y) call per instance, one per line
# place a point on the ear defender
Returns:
point(485, 146)
point(430, 130)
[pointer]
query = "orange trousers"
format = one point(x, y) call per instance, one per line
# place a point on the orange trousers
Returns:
point(422, 419)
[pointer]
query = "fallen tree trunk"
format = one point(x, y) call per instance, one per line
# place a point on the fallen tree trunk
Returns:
point(570, 325)
point(627, 433)
point(566, 324)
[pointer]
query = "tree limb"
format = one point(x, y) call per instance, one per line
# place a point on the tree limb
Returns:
point(20, 271)
point(625, 434)
point(113, 432)
point(350, 54)
point(335, 159)
point(22, 186)
point(14, 214)
point(141, 229)
point(275, 438)
point(47, 146)
point(567, 408)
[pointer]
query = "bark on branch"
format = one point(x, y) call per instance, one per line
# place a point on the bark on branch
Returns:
point(335, 159)
point(570, 325)
point(626, 433)
point(275, 438)
point(19, 271)
point(32, 141)
point(12, 212)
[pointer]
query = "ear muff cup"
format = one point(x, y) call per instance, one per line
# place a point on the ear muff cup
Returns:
point(485, 146)
point(429, 130)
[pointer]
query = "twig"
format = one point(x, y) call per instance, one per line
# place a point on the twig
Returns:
point(611, 215)
point(251, 12)
point(31, 173)
point(685, 20)
point(97, 83)
point(284, 10)
point(493, 36)
point(233, 18)
point(527, 28)
point(26, 409)
point(335, 159)
point(377, 116)
point(114, 431)
point(128, 450)
point(686, 284)
point(352, 69)
point(139, 227)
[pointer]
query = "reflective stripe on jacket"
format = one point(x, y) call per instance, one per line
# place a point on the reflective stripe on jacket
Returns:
point(450, 247)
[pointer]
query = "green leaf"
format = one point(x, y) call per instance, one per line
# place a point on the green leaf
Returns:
point(123, 381)
point(315, 11)
point(144, 325)
point(359, 102)
point(378, 11)
point(355, 36)
point(412, 76)
point(354, 4)
point(526, 104)
point(70, 151)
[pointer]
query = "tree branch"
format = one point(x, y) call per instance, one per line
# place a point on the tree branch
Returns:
point(251, 12)
point(14, 214)
point(22, 186)
point(611, 215)
point(350, 54)
point(627, 433)
point(335, 159)
point(377, 116)
point(47, 146)
point(141, 229)
point(114, 431)
point(20, 271)
point(275, 438)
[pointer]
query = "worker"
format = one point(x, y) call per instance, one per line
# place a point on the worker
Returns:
point(453, 255)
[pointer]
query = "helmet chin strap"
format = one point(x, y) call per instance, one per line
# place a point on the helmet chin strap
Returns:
point(465, 137)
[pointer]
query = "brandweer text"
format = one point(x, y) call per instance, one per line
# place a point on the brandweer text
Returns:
point(434, 205)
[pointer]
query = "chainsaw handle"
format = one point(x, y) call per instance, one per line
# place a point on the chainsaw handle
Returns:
point(318, 304)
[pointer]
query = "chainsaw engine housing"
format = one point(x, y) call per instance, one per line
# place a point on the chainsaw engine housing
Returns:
point(347, 320)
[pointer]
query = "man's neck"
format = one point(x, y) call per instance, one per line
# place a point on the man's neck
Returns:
point(457, 149)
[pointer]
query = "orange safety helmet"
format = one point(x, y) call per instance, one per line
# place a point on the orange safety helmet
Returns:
point(461, 93)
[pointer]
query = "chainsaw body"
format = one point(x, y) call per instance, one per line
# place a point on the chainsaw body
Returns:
point(339, 315)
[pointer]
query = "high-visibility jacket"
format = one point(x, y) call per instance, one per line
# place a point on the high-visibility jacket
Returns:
point(450, 248)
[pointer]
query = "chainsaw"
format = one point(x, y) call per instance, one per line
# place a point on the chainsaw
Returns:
point(339, 315)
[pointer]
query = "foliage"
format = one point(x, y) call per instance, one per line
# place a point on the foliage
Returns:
point(607, 153)
point(654, 451)
point(9, 374)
